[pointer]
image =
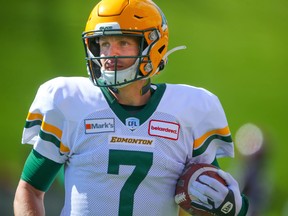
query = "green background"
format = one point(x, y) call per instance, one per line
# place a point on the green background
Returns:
point(235, 48)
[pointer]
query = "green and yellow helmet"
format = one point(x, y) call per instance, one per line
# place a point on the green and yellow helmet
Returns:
point(137, 18)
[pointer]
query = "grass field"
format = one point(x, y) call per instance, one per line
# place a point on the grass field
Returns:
point(236, 49)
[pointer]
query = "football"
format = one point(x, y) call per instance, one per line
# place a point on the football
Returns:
point(191, 173)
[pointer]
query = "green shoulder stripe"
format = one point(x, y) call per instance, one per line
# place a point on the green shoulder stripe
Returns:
point(49, 138)
point(199, 151)
point(30, 124)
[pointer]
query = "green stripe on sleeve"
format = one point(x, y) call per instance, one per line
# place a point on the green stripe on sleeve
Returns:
point(215, 163)
point(202, 149)
point(29, 124)
point(40, 171)
point(49, 138)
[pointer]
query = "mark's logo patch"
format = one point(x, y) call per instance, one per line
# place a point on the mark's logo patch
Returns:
point(99, 125)
point(131, 140)
point(169, 130)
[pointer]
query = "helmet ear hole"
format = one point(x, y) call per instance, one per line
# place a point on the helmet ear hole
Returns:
point(160, 50)
point(162, 62)
point(161, 65)
point(145, 45)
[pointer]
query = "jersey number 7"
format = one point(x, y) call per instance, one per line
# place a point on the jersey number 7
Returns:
point(142, 162)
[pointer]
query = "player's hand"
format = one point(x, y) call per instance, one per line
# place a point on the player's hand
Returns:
point(217, 198)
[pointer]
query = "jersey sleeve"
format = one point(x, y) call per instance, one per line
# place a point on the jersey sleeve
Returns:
point(39, 171)
point(45, 125)
point(212, 136)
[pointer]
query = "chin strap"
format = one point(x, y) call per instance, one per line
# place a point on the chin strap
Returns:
point(146, 87)
point(144, 90)
point(113, 89)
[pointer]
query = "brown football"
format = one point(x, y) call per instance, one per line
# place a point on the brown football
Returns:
point(191, 173)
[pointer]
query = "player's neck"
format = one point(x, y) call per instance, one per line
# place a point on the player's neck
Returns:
point(132, 94)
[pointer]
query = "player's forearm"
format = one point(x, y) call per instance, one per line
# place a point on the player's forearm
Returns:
point(28, 201)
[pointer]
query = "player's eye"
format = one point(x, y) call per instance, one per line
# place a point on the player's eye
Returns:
point(104, 44)
point(124, 43)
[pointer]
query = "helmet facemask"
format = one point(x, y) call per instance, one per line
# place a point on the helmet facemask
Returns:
point(118, 78)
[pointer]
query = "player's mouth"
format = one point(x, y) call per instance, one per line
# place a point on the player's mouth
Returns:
point(112, 65)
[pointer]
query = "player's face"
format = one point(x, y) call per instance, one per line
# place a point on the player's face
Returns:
point(118, 46)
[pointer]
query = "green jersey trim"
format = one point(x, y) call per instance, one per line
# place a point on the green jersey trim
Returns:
point(144, 114)
point(201, 150)
point(40, 171)
point(245, 206)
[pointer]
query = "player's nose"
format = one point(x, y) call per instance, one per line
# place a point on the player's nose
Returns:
point(113, 50)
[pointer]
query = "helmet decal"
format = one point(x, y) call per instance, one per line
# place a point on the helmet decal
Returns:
point(108, 26)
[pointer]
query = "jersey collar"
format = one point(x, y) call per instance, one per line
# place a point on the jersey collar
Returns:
point(142, 115)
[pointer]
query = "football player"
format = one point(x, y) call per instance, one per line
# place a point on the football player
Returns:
point(122, 140)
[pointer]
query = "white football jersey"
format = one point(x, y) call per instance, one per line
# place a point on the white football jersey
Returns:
point(118, 163)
